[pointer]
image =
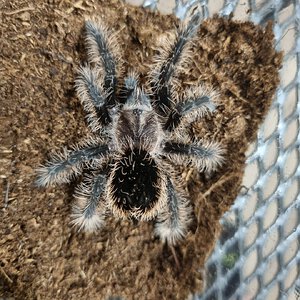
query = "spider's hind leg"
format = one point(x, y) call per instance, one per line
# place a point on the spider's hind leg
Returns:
point(89, 211)
point(172, 224)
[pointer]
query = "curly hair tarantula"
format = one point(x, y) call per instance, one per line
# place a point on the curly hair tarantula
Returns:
point(139, 136)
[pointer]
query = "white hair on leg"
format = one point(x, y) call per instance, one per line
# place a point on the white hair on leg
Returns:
point(89, 212)
point(172, 224)
point(67, 164)
point(205, 156)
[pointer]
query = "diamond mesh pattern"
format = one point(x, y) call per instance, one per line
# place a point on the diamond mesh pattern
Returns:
point(257, 255)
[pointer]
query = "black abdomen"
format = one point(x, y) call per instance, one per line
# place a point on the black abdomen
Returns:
point(135, 181)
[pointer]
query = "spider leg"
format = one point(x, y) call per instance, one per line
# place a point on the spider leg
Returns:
point(92, 97)
point(127, 89)
point(205, 156)
point(103, 51)
point(89, 211)
point(173, 55)
point(172, 224)
point(68, 164)
point(198, 102)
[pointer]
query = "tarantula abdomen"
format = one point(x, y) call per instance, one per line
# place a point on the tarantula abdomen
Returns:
point(136, 184)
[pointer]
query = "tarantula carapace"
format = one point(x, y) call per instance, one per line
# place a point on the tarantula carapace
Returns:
point(139, 135)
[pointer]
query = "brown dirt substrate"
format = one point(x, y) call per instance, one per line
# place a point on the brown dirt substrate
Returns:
point(41, 256)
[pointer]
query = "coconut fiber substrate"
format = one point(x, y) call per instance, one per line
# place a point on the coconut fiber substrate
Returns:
point(41, 45)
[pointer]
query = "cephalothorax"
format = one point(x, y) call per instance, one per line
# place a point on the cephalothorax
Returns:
point(139, 136)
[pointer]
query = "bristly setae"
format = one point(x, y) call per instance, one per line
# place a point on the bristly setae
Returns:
point(139, 136)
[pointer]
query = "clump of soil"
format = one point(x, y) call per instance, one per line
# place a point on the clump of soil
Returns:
point(41, 256)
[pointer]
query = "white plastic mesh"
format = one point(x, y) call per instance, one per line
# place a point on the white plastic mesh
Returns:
point(257, 256)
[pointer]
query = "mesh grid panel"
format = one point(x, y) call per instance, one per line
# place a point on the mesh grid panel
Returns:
point(257, 255)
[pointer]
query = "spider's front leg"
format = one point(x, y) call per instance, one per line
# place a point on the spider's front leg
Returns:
point(103, 50)
point(97, 83)
point(173, 55)
point(172, 223)
point(68, 164)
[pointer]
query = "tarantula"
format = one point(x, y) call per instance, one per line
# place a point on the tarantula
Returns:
point(139, 135)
